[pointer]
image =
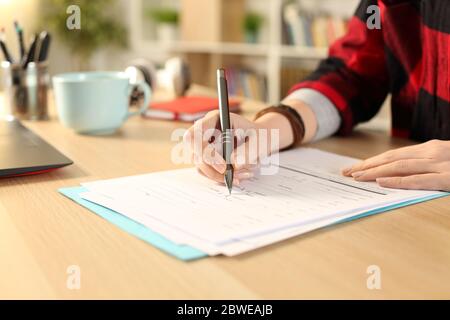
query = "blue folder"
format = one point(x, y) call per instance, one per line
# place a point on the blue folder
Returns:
point(184, 252)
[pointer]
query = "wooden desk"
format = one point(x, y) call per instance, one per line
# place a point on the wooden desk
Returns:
point(42, 233)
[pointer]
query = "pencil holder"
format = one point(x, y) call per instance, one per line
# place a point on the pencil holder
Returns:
point(25, 91)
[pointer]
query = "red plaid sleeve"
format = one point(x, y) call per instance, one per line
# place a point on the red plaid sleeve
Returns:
point(354, 76)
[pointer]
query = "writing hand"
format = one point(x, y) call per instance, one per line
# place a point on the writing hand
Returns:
point(204, 139)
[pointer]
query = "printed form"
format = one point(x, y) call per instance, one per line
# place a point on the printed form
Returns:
point(307, 192)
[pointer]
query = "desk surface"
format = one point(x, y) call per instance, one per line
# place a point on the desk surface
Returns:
point(42, 233)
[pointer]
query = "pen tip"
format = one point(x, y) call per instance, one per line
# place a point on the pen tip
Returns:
point(229, 180)
point(221, 73)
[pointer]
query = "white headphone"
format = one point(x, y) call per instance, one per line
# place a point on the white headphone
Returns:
point(175, 77)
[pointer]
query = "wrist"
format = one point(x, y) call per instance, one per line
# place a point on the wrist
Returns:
point(275, 121)
point(308, 117)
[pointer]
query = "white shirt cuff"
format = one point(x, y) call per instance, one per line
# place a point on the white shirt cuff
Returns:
point(328, 118)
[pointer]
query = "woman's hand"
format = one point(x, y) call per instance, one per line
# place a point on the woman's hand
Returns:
point(204, 140)
point(424, 166)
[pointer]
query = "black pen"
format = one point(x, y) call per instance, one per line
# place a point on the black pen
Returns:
point(225, 125)
point(19, 32)
point(4, 47)
point(31, 52)
point(44, 46)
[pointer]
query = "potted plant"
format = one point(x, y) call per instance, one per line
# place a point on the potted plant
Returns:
point(166, 20)
point(100, 28)
point(252, 25)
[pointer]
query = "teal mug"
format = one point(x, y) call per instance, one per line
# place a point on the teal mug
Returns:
point(96, 102)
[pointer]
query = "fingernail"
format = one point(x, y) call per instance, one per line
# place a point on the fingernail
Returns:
point(354, 168)
point(357, 174)
point(220, 167)
point(346, 171)
point(245, 175)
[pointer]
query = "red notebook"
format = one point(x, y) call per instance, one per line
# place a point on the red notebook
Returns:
point(187, 108)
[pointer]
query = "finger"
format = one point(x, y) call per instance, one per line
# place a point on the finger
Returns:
point(202, 130)
point(247, 154)
point(244, 174)
point(208, 125)
point(210, 120)
point(243, 156)
point(429, 181)
point(386, 157)
point(211, 157)
point(398, 168)
point(240, 135)
point(250, 168)
point(203, 151)
point(210, 173)
point(238, 175)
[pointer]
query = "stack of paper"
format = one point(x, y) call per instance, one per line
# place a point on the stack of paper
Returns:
point(307, 193)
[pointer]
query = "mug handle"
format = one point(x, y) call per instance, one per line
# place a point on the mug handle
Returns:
point(147, 95)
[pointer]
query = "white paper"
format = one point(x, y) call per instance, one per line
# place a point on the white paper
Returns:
point(307, 193)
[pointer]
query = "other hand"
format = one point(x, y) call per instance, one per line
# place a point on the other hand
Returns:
point(424, 166)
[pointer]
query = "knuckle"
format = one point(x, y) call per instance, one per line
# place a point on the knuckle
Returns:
point(212, 113)
point(389, 155)
point(399, 181)
point(443, 166)
point(197, 124)
point(415, 182)
point(435, 147)
point(198, 121)
point(433, 142)
point(435, 152)
point(233, 116)
point(402, 165)
point(396, 181)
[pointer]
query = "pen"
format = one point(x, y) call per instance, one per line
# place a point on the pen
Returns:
point(3, 46)
point(44, 40)
point(31, 52)
point(19, 32)
point(225, 125)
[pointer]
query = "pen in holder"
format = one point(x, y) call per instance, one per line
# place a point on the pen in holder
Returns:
point(26, 90)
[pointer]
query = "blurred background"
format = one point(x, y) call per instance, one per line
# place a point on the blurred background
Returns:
point(267, 45)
